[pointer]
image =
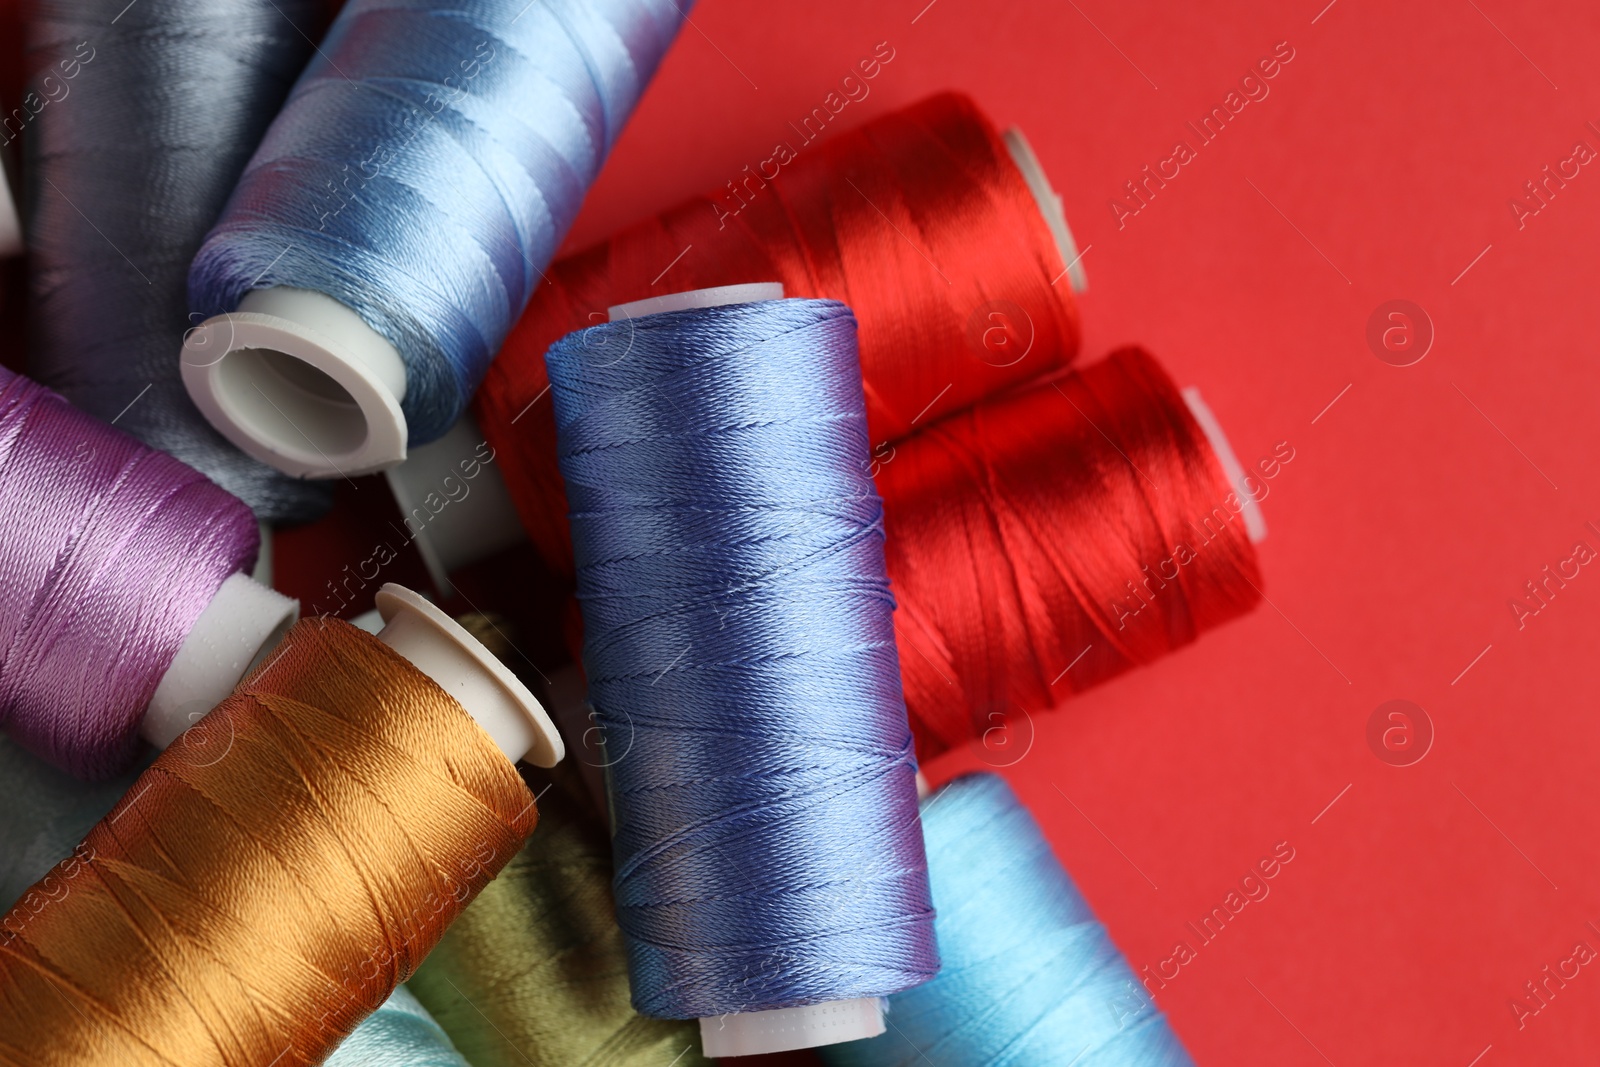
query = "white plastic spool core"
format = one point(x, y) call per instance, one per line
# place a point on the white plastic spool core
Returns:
point(756, 1033)
point(10, 220)
point(236, 630)
point(1255, 523)
point(453, 503)
point(716, 296)
point(1050, 206)
point(300, 382)
point(439, 647)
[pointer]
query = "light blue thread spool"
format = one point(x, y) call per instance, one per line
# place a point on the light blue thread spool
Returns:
point(1030, 976)
point(397, 215)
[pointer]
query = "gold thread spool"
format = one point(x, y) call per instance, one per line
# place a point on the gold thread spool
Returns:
point(534, 972)
point(272, 877)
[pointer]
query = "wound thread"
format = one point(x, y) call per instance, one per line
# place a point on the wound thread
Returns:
point(739, 632)
point(168, 101)
point(109, 552)
point(425, 168)
point(1030, 976)
point(272, 877)
point(535, 973)
point(1043, 542)
point(919, 221)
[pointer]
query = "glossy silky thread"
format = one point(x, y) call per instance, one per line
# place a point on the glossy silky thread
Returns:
point(919, 220)
point(109, 552)
point(150, 120)
point(400, 1033)
point(1045, 541)
point(426, 167)
point(740, 654)
point(272, 877)
point(48, 814)
point(1030, 977)
point(534, 973)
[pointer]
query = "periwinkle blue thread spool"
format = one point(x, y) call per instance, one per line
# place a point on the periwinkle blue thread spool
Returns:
point(396, 217)
point(1029, 975)
point(144, 123)
point(739, 646)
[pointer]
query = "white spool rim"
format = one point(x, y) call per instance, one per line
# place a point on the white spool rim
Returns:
point(463, 529)
point(757, 1033)
point(10, 220)
point(1050, 206)
point(300, 382)
point(442, 649)
point(237, 629)
point(714, 296)
point(1255, 523)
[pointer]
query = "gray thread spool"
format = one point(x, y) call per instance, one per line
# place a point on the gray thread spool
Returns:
point(145, 119)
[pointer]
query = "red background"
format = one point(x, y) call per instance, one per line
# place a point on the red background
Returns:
point(1379, 167)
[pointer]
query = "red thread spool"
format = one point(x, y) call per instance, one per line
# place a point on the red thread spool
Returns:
point(921, 221)
point(1083, 522)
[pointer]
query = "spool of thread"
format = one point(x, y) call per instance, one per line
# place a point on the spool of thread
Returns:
point(770, 879)
point(941, 234)
point(400, 1033)
point(389, 229)
point(1029, 975)
point(1047, 540)
point(273, 876)
point(48, 814)
point(125, 572)
point(534, 973)
point(168, 100)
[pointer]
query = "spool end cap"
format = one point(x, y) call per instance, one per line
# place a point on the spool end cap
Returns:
point(756, 1033)
point(300, 382)
point(10, 222)
point(440, 648)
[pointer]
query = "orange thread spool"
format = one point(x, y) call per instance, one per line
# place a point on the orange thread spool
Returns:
point(270, 879)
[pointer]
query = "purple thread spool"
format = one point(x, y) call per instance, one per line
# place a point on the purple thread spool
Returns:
point(123, 580)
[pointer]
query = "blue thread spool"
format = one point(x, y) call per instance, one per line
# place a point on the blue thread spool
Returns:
point(1029, 975)
point(395, 219)
point(740, 653)
point(400, 1033)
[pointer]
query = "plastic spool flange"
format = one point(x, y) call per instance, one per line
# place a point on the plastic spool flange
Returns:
point(439, 647)
point(1255, 523)
point(236, 630)
point(454, 531)
point(432, 641)
point(10, 221)
point(453, 503)
point(300, 382)
point(1050, 206)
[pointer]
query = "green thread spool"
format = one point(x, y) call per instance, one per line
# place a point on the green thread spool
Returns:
point(534, 974)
